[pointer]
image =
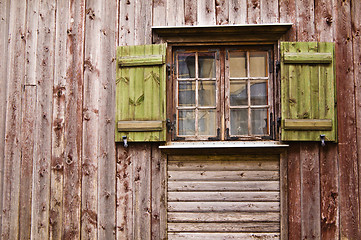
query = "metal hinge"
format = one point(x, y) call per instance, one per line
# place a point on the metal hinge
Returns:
point(171, 129)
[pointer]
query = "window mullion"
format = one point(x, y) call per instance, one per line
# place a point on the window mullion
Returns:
point(248, 93)
point(196, 95)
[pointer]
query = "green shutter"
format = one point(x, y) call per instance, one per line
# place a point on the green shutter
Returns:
point(308, 98)
point(140, 93)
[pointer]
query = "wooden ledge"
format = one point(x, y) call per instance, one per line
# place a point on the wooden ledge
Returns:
point(220, 33)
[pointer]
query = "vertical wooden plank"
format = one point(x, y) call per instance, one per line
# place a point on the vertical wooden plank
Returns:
point(324, 19)
point(254, 11)
point(159, 14)
point(90, 152)
point(305, 20)
point(349, 186)
point(4, 29)
point(127, 22)
point(141, 153)
point(175, 13)
point(206, 12)
point(43, 127)
point(190, 12)
point(124, 193)
point(356, 40)
point(58, 134)
point(73, 121)
point(329, 192)
point(158, 180)
point(26, 167)
point(310, 191)
point(237, 11)
point(12, 144)
point(269, 11)
point(288, 14)
point(222, 13)
point(106, 157)
point(143, 22)
point(294, 191)
point(284, 195)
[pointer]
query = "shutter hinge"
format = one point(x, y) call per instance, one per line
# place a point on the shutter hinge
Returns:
point(278, 67)
point(171, 129)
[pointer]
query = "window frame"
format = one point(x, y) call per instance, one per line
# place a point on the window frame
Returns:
point(223, 111)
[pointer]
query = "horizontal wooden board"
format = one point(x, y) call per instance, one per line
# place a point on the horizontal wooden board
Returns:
point(136, 126)
point(223, 216)
point(222, 165)
point(225, 227)
point(223, 206)
point(223, 196)
point(307, 58)
point(222, 175)
point(307, 124)
point(263, 157)
point(223, 236)
point(133, 61)
point(223, 186)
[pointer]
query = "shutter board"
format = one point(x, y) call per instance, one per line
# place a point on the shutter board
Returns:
point(308, 91)
point(140, 93)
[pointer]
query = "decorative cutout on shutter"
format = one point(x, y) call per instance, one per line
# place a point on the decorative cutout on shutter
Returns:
point(308, 95)
point(140, 93)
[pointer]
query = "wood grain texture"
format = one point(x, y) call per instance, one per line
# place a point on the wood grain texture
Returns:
point(126, 22)
point(269, 11)
point(288, 13)
point(222, 13)
point(305, 20)
point(106, 144)
point(175, 13)
point(159, 13)
point(221, 236)
point(253, 11)
point(349, 176)
point(237, 11)
point(206, 12)
point(12, 144)
point(190, 12)
point(325, 19)
point(143, 22)
point(4, 29)
point(223, 217)
point(73, 121)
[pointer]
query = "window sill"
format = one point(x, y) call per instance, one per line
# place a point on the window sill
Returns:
point(225, 144)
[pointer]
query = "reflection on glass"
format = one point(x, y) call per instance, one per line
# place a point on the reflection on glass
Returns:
point(259, 121)
point(207, 93)
point(186, 65)
point(259, 93)
point(238, 93)
point(206, 65)
point(207, 122)
point(237, 64)
point(258, 64)
point(186, 93)
point(239, 122)
point(186, 122)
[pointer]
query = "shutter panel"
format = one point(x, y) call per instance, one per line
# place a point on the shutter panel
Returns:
point(308, 91)
point(140, 93)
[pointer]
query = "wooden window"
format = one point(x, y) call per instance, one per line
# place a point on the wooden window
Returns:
point(222, 93)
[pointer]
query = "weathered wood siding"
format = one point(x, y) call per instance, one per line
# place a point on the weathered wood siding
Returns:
point(63, 177)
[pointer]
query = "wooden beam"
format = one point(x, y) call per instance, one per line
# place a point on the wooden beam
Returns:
point(307, 124)
point(307, 58)
point(132, 61)
point(139, 126)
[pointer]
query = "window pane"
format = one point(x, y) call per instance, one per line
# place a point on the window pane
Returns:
point(186, 122)
point(238, 94)
point(207, 122)
point(239, 122)
point(259, 93)
point(258, 65)
point(186, 93)
point(207, 93)
point(186, 65)
point(206, 65)
point(259, 121)
point(237, 64)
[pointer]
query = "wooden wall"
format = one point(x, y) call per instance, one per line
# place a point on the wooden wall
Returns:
point(63, 177)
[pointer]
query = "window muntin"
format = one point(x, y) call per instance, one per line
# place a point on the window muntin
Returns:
point(222, 93)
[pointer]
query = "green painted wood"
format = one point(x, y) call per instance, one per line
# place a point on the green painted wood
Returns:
point(307, 58)
point(140, 90)
point(308, 89)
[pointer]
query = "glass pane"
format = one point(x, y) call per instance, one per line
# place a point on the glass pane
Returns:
point(207, 93)
point(206, 65)
point(186, 122)
point(259, 121)
point(239, 122)
point(238, 94)
point(237, 64)
point(186, 65)
point(207, 122)
point(186, 93)
point(258, 65)
point(259, 93)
